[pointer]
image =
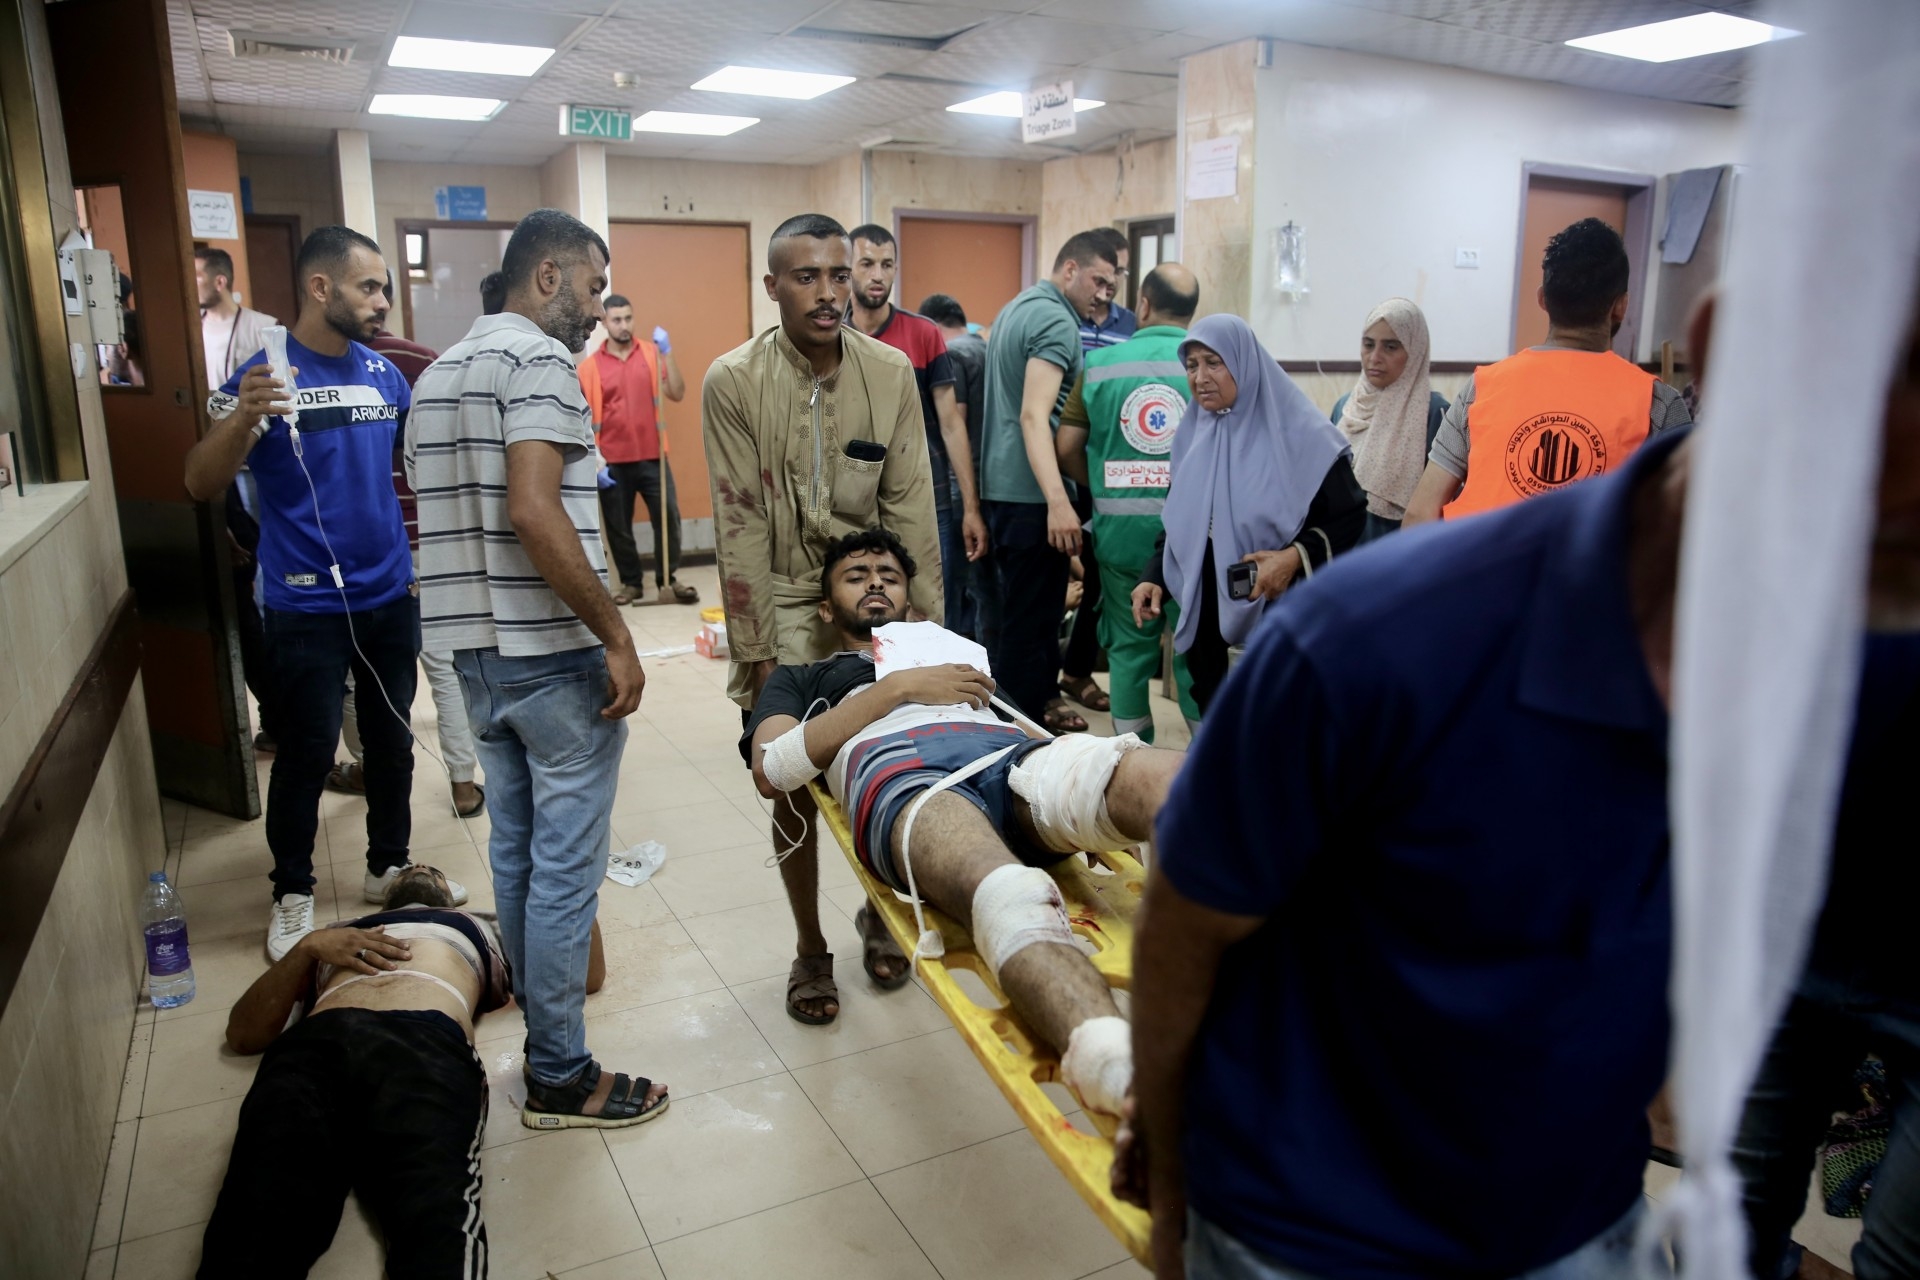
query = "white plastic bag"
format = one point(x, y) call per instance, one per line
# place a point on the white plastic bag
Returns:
point(637, 865)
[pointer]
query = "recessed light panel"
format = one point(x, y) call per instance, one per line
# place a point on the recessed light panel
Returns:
point(764, 82)
point(468, 55)
point(1011, 103)
point(434, 106)
point(691, 122)
point(1679, 38)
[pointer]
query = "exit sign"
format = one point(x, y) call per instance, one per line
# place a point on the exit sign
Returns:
point(605, 124)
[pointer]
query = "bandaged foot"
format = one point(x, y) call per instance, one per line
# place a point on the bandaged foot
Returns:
point(1098, 1063)
point(1065, 786)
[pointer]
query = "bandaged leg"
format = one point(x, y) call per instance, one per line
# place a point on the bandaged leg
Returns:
point(1014, 908)
point(1020, 929)
point(1065, 786)
point(1098, 1063)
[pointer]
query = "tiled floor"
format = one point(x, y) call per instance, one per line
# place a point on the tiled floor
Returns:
point(871, 1148)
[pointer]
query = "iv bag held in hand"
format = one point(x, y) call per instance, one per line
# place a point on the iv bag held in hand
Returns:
point(275, 337)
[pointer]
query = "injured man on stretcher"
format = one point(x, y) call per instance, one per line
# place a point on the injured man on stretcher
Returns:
point(943, 793)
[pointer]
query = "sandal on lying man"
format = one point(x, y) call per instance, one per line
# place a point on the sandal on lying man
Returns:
point(879, 948)
point(591, 1101)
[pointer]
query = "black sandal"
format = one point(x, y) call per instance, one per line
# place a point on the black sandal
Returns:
point(877, 944)
point(558, 1106)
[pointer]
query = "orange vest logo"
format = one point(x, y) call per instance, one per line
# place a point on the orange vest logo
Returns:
point(1549, 450)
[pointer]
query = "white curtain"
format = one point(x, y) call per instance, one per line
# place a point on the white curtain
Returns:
point(1819, 288)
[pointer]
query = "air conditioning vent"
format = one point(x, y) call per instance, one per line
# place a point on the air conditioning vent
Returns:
point(261, 44)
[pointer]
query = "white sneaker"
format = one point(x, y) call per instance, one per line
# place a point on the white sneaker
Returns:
point(374, 887)
point(290, 920)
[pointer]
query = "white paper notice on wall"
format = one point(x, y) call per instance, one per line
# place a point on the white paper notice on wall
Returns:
point(212, 216)
point(1049, 112)
point(1213, 168)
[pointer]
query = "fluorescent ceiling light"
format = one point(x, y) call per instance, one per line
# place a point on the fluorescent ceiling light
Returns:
point(434, 106)
point(468, 55)
point(691, 122)
point(1679, 38)
point(765, 82)
point(1011, 103)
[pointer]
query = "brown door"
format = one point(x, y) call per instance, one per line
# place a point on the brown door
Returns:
point(1554, 204)
point(177, 563)
point(695, 286)
point(982, 264)
point(273, 241)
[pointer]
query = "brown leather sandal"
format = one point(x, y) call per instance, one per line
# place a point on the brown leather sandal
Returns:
point(811, 978)
point(1085, 691)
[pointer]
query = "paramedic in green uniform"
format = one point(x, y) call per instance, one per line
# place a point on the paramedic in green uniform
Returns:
point(1116, 435)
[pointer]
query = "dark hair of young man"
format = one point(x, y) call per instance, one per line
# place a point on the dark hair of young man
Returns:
point(328, 249)
point(1114, 237)
point(1085, 249)
point(493, 294)
point(1584, 270)
point(219, 263)
point(1169, 303)
point(613, 300)
point(944, 309)
point(418, 885)
point(547, 235)
point(815, 226)
point(867, 541)
point(872, 232)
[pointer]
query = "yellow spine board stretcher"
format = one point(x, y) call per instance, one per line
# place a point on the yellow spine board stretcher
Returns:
point(1100, 904)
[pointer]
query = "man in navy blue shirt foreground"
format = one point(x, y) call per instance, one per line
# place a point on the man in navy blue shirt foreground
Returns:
point(1416, 876)
point(333, 555)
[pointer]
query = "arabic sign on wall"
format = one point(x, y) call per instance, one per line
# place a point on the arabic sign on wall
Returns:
point(211, 216)
point(1049, 112)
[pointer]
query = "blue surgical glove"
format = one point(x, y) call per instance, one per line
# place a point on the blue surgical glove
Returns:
point(660, 340)
point(603, 478)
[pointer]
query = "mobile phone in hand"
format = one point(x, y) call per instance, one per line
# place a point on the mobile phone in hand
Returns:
point(1240, 578)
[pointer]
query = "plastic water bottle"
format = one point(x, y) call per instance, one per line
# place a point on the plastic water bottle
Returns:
point(169, 968)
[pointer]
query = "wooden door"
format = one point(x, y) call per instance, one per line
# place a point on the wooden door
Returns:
point(694, 282)
point(273, 242)
point(982, 264)
point(1553, 205)
point(177, 549)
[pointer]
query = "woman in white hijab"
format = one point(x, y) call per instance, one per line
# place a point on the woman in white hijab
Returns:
point(1391, 415)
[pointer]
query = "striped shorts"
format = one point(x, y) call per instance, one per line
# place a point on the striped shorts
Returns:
point(885, 773)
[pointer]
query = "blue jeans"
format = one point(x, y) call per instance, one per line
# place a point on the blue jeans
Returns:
point(310, 656)
point(552, 762)
point(1806, 1076)
point(1212, 1254)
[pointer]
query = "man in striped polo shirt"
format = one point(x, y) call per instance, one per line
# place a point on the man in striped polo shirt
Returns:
point(512, 582)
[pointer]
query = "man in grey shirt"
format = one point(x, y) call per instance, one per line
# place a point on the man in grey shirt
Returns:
point(512, 582)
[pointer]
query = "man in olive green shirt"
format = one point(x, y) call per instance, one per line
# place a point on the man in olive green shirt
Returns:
point(1033, 359)
point(812, 430)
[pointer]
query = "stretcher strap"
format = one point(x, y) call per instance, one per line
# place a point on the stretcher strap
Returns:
point(929, 944)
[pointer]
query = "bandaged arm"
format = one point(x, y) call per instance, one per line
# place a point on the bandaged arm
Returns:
point(823, 735)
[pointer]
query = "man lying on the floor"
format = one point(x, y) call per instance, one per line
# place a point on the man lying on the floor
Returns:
point(978, 842)
point(370, 1083)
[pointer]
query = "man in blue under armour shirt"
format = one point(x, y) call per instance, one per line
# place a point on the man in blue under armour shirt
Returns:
point(339, 581)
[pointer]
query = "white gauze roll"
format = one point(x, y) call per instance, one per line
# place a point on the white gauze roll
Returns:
point(1013, 908)
point(785, 760)
point(1065, 785)
point(1098, 1063)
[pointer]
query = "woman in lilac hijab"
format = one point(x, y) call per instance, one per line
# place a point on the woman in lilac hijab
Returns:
point(1260, 477)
